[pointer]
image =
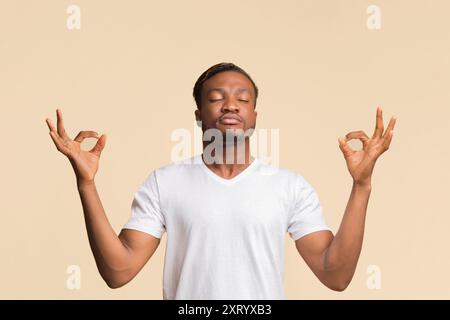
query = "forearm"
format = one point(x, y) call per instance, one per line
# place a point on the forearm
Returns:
point(341, 257)
point(110, 254)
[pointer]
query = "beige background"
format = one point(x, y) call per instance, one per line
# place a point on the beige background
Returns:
point(129, 72)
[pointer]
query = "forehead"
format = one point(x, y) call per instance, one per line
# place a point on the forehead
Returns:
point(228, 80)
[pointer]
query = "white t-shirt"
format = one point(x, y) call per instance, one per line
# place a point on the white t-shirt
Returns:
point(225, 237)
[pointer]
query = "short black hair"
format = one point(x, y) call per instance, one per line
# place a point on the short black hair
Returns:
point(215, 69)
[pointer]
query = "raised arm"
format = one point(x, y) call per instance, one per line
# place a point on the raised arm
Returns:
point(333, 259)
point(118, 257)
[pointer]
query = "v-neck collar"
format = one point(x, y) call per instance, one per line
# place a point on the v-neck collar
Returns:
point(224, 181)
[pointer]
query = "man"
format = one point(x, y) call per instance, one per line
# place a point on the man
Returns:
point(226, 221)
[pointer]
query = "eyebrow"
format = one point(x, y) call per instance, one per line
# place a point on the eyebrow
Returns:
point(222, 91)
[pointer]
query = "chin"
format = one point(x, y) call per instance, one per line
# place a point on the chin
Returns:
point(224, 128)
point(233, 133)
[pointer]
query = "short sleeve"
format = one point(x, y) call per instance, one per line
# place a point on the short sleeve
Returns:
point(146, 215)
point(306, 215)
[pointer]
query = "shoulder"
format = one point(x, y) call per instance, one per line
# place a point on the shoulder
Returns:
point(169, 173)
point(270, 170)
point(295, 181)
point(176, 170)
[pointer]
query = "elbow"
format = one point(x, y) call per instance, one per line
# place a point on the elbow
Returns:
point(339, 286)
point(116, 281)
point(114, 284)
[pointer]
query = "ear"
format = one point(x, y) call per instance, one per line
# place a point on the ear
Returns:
point(197, 115)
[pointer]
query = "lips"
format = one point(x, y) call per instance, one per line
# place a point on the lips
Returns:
point(230, 119)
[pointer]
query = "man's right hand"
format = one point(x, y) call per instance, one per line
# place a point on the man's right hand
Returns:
point(84, 163)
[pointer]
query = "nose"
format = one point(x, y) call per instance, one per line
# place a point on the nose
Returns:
point(230, 106)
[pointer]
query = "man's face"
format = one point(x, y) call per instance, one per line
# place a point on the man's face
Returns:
point(228, 103)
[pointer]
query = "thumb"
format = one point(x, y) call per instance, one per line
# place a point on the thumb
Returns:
point(344, 147)
point(98, 148)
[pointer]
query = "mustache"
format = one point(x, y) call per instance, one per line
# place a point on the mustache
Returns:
point(230, 115)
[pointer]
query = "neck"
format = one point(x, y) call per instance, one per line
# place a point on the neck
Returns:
point(229, 160)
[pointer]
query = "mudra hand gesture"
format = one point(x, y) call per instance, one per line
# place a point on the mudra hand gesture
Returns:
point(85, 163)
point(360, 163)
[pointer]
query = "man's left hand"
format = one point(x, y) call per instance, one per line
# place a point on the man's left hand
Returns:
point(360, 163)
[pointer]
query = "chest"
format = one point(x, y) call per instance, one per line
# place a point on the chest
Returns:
point(229, 211)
